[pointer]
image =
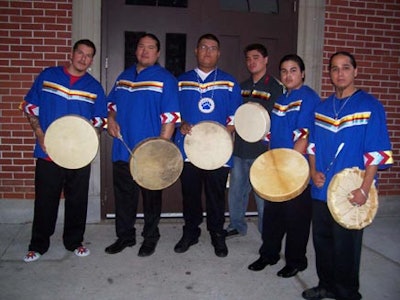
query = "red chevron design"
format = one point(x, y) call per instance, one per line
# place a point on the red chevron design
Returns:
point(110, 106)
point(164, 117)
point(99, 122)
point(104, 124)
point(31, 109)
point(303, 132)
point(368, 159)
point(95, 122)
point(176, 117)
point(386, 157)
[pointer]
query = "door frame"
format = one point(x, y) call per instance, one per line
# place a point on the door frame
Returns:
point(87, 23)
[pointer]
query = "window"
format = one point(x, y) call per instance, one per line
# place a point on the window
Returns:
point(168, 3)
point(175, 53)
point(257, 6)
point(131, 40)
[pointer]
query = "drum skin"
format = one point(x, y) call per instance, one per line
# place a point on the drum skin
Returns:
point(339, 193)
point(209, 146)
point(280, 175)
point(71, 142)
point(156, 163)
point(252, 122)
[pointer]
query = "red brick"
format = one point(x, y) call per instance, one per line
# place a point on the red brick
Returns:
point(44, 20)
point(45, 5)
point(33, 27)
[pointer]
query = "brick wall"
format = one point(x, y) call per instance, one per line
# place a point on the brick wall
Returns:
point(370, 29)
point(33, 35)
point(37, 34)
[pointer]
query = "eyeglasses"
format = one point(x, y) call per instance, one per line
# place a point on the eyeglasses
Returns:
point(210, 48)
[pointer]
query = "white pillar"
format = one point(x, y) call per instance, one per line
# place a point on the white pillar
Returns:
point(310, 40)
point(86, 24)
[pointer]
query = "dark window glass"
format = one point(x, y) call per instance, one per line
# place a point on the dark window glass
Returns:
point(141, 2)
point(131, 40)
point(169, 3)
point(257, 6)
point(175, 53)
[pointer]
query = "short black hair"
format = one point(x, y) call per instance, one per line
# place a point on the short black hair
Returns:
point(297, 59)
point(85, 42)
point(153, 37)
point(208, 36)
point(294, 57)
point(345, 53)
point(258, 47)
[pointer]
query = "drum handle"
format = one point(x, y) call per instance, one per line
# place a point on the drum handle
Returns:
point(126, 146)
point(336, 155)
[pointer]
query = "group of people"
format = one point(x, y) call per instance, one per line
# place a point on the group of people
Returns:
point(148, 101)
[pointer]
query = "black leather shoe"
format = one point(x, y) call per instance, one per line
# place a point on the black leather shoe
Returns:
point(184, 244)
point(218, 241)
point(289, 271)
point(147, 248)
point(260, 264)
point(231, 233)
point(317, 293)
point(119, 245)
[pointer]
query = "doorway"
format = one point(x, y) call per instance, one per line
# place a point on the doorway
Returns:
point(235, 25)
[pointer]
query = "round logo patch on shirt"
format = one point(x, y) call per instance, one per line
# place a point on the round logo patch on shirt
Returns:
point(206, 105)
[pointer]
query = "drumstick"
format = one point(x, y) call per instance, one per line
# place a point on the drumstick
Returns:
point(336, 155)
point(123, 142)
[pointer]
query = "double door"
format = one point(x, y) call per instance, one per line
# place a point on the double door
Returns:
point(178, 29)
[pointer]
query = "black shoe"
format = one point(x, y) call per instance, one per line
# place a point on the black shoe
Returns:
point(119, 245)
point(289, 271)
point(231, 233)
point(184, 244)
point(260, 264)
point(148, 247)
point(218, 241)
point(317, 293)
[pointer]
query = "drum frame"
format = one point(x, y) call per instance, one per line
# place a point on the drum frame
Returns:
point(150, 174)
point(340, 211)
point(277, 167)
point(208, 148)
point(246, 126)
point(63, 146)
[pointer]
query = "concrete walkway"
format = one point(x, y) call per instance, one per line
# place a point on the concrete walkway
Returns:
point(196, 274)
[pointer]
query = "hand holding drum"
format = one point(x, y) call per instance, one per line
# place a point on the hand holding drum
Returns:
point(339, 194)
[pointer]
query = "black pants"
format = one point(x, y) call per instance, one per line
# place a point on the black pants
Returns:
point(193, 180)
point(337, 252)
point(126, 192)
point(292, 218)
point(50, 181)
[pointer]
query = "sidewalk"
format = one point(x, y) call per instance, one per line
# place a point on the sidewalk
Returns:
point(196, 274)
